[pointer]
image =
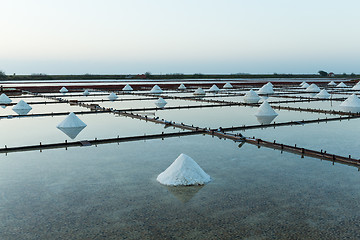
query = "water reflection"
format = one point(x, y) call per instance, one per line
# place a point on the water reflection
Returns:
point(184, 193)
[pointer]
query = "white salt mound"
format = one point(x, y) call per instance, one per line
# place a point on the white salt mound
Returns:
point(72, 125)
point(251, 97)
point(323, 94)
point(4, 99)
point(127, 88)
point(156, 89)
point(184, 171)
point(227, 86)
point(86, 93)
point(341, 85)
point(351, 104)
point(199, 91)
point(112, 96)
point(63, 90)
point(182, 87)
point(312, 88)
point(332, 83)
point(160, 102)
point(305, 85)
point(214, 88)
point(266, 89)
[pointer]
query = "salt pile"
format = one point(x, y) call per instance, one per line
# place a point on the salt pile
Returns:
point(127, 88)
point(341, 85)
point(266, 89)
point(4, 99)
point(86, 93)
point(112, 96)
point(323, 94)
point(160, 102)
point(351, 104)
point(214, 88)
point(312, 88)
point(156, 90)
point(301, 84)
point(332, 83)
point(251, 97)
point(72, 125)
point(199, 92)
point(305, 85)
point(265, 114)
point(182, 87)
point(228, 86)
point(356, 86)
point(184, 171)
point(22, 108)
point(63, 90)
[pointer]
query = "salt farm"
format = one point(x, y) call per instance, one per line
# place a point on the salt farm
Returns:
point(169, 159)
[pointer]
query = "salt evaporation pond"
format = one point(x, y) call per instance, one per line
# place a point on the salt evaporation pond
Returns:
point(111, 191)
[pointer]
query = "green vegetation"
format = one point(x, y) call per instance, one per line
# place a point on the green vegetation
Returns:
point(148, 75)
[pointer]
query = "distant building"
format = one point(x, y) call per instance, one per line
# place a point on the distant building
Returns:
point(331, 74)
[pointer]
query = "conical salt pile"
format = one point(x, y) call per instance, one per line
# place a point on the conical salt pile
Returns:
point(332, 83)
point(199, 92)
point(251, 97)
point(4, 99)
point(160, 102)
point(22, 108)
point(356, 86)
point(301, 84)
point(228, 86)
point(305, 85)
point(184, 171)
point(265, 114)
point(341, 85)
point(112, 96)
point(214, 88)
point(182, 87)
point(351, 104)
point(270, 84)
point(156, 90)
point(72, 125)
point(312, 88)
point(323, 94)
point(266, 89)
point(86, 93)
point(63, 90)
point(127, 88)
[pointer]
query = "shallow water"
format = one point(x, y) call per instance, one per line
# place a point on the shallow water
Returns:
point(110, 192)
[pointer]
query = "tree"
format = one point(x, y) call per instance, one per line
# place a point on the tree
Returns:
point(323, 73)
point(148, 74)
point(2, 75)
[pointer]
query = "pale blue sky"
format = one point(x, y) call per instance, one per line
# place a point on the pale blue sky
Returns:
point(187, 36)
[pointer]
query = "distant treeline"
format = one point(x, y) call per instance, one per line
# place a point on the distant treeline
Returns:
point(166, 76)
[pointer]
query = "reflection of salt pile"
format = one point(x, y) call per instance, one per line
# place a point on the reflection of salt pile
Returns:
point(184, 193)
point(160, 102)
point(266, 89)
point(4, 99)
point(332, 83)
point(341, 85)
point(72, 125)
point(199, 92)
point(127, 88)
point(356, 86)
point(323, 94)
point(228, 86)
point(305, 85)
point(156, 90)
point(112, 96)
point(351, 104)
point(22, 108)
point(214, 88)
point(86, 93)
point(184, 171)
point(265, 114)
point(312, 88)
point(63, 90)
point(182, 87)
point(251, 97)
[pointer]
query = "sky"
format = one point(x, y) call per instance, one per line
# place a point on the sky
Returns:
point(187, 36)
